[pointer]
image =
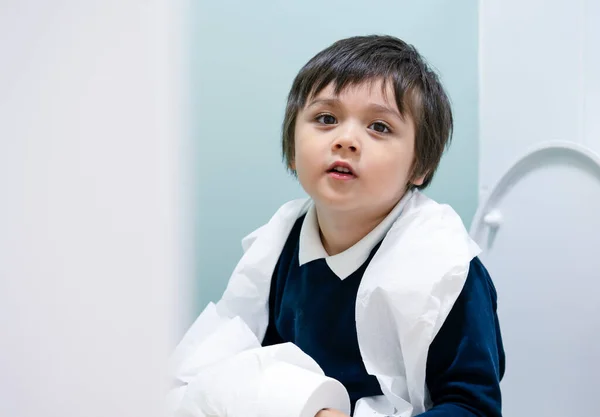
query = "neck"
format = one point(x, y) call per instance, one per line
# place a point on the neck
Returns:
point(341, 231)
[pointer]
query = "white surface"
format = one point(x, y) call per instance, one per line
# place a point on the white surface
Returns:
point(91, 244)
point(231, 338)
point(592, 74)
point(540, 82)
point(544, 260)
point(313, 392)
point(539, 79)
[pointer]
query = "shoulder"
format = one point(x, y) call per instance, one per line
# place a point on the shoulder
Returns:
point(431, 230)
point(480, 284)
point(423, 211)
point(441, 221)
point(474, 312)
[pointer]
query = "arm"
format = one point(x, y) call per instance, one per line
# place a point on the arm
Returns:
point(466, 358)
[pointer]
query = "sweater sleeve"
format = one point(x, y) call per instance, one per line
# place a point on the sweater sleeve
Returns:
point(466, 359)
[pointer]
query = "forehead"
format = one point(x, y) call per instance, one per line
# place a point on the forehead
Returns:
point(375, 90)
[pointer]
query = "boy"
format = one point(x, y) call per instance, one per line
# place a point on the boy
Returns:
point(377, 283)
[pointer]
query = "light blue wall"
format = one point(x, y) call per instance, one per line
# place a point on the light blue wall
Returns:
point(245, 56)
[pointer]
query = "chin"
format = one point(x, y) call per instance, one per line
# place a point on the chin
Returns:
point(337, 201)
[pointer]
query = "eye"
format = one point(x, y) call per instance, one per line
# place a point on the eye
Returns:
point(326, 119)
point(380, 127)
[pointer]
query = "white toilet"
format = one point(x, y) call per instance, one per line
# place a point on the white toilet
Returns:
point(539, 229)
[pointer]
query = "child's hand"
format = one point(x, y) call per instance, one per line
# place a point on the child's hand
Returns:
point(329, 412)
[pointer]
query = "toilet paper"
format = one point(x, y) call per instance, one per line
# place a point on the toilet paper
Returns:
point(230, 339)
point(205, 325)
point(273, 381)
point(287, 390)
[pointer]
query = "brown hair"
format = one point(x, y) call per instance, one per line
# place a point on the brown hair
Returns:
point(417, 88)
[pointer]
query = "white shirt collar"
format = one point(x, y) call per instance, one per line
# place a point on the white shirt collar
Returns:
point(345, 263)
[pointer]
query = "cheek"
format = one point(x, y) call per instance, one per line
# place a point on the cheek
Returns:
point(390, 170)
point(308, 151)
point(303, 162)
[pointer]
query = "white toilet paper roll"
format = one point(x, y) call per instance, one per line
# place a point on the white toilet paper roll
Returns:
point(232, 337)
point(289, 391)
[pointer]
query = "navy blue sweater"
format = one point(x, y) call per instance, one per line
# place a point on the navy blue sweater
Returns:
point(314, 309)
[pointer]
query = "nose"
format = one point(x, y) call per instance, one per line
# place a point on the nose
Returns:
point(346, 142)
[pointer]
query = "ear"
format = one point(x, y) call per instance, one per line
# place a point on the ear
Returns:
point(292, 165)
point(419, 180)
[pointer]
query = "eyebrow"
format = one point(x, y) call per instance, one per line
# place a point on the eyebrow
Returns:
point(372, 106)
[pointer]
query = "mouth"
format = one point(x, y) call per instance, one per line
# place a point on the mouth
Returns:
point(341, 171)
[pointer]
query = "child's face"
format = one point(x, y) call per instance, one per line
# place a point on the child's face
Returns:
point(362, 128)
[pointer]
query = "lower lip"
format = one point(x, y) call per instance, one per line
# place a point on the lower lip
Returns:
point(340, 176)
